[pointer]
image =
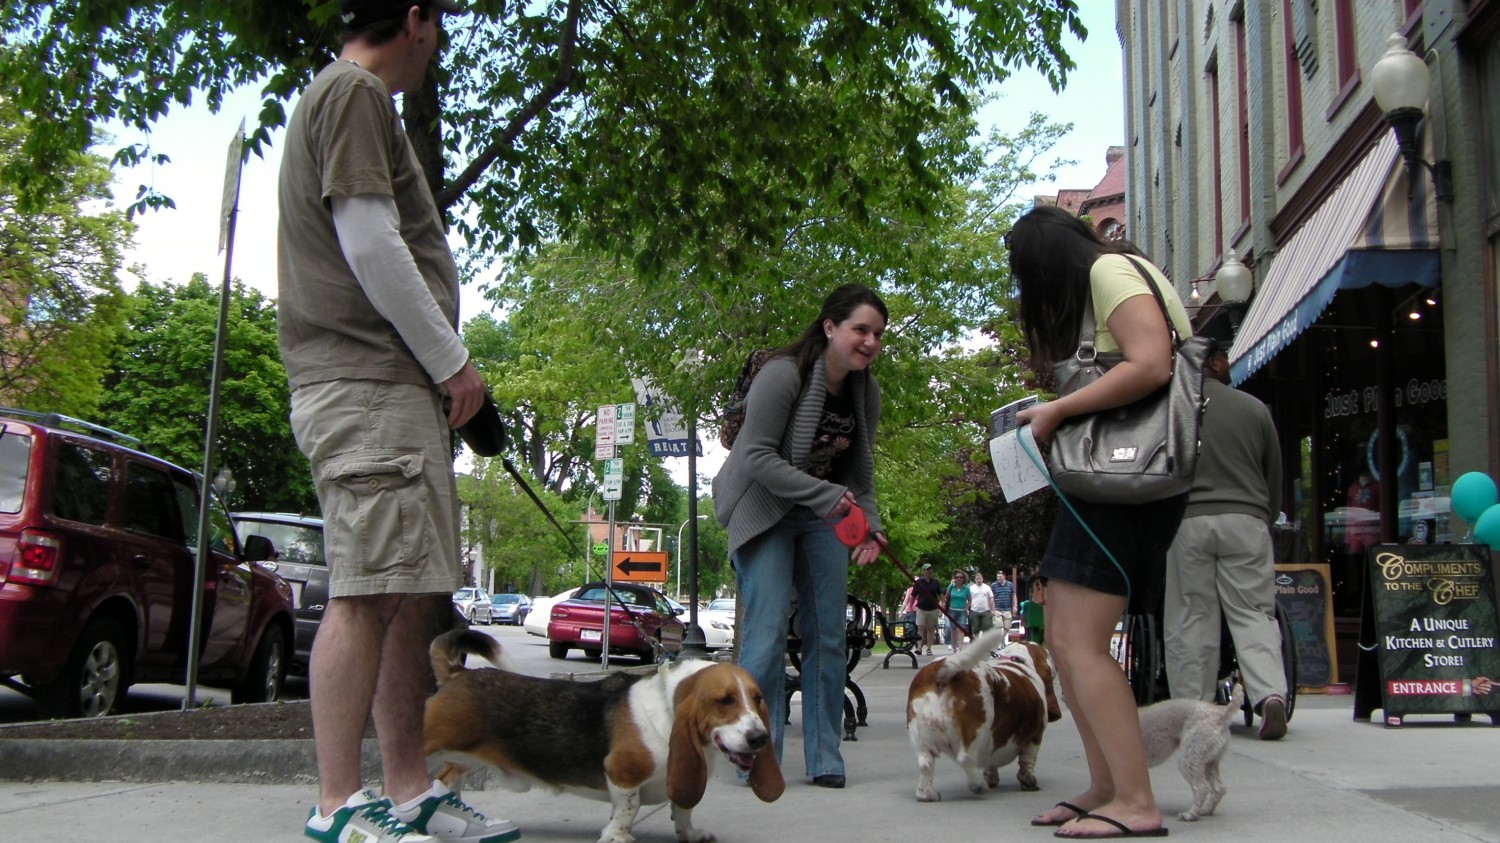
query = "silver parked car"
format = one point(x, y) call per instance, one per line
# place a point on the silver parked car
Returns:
point(474, 604)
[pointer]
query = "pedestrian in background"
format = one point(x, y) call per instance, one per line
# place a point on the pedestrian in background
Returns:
point(803, 459)
point(928, 593)
point(1005, 600)
point(367, 321)
point(1221, 567)
point(981, 606)
point(1059, 262)
point(956, 602)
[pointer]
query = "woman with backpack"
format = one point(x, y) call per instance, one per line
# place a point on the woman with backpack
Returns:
point(802, 460)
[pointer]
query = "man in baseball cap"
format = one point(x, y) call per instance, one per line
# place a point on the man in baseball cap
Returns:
point(367, 315)
point(361, 14)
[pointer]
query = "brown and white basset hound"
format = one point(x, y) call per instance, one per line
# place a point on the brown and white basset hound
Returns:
point(631, 738)
point(982, 711)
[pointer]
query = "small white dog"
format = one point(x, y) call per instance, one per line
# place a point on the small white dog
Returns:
point(1198, 732)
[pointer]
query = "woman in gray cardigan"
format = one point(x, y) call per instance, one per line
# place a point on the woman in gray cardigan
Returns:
point(803, 458)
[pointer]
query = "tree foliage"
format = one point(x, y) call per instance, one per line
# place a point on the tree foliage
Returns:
point(158, 387)
point(579, 325)
point(673, 132)
point(61, 305)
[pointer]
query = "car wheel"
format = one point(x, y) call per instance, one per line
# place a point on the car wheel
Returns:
point(557, 649)
point(262, 682)
point(92, 682)
point(470, 617)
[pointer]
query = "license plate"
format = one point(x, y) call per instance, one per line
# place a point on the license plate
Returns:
point(590, 635)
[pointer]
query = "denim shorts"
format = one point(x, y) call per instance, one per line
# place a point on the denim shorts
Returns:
point(382, 465)
point(1138, 535)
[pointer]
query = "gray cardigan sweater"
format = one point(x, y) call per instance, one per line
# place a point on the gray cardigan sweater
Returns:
point(766, 473)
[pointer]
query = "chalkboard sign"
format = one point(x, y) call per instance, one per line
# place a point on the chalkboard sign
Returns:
point(1305, 599)
point(1430, 622)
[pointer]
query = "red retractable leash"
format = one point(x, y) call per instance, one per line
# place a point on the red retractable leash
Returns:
point(854, 528)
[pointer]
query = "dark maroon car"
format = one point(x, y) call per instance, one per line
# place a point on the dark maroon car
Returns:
point(640, 617)
point(98, 542)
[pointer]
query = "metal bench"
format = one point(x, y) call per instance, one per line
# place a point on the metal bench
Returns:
point(901, 636)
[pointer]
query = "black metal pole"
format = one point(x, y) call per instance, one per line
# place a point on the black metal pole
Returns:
point(694, 643)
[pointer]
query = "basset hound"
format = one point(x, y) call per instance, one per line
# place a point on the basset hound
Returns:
point(631, 738)
point(982, 711)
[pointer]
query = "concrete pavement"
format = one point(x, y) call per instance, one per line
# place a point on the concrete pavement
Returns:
point(1331, 779)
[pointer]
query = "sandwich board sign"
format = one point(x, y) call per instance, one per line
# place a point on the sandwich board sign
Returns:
point(1428, 633)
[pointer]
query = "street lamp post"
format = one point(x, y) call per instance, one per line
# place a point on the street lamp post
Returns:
point(224, 484)
point(677, 595)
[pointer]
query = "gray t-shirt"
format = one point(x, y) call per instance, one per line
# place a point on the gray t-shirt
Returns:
point(345, 139)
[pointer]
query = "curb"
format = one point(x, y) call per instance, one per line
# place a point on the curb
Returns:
point(207, 761)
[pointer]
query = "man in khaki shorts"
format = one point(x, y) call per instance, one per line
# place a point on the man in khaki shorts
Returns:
point(367, 316)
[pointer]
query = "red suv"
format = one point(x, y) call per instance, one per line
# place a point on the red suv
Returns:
point(97, 549)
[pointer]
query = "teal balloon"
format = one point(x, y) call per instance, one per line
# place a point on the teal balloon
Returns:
point(1473, 495)
point(1487, 528)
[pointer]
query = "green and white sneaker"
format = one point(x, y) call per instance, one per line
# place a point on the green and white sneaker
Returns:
point(365, 818)
point(447, 818)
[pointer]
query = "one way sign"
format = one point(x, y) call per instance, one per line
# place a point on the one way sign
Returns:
point(640, 566)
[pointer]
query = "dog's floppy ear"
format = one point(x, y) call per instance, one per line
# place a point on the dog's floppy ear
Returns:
point(765, 774)
point(687, 768)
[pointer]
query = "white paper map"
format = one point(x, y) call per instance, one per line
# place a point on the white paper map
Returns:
point(1014, 453)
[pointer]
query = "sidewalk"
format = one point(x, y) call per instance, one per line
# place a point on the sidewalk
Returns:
point(1331, 779)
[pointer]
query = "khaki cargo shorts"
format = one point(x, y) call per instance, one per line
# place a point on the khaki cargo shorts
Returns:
point(382, 465)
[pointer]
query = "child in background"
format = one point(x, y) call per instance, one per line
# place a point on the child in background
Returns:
point(1032, 611)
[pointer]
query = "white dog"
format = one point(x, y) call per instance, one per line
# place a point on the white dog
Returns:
point(1199, 733)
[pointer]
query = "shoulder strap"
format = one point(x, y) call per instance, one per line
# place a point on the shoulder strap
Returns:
point(1160, 302)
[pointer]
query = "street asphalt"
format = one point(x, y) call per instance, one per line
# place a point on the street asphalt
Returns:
point(1332, 779)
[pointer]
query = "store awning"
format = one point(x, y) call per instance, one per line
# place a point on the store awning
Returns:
point(1372, 229)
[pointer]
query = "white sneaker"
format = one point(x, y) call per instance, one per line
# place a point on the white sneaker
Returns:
point(447, 818)
point(365, 817)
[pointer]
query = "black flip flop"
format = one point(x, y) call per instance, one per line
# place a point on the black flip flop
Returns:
point(1071, 807)
point(1124, 830)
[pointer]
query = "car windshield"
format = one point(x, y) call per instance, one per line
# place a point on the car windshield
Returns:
point(621, 595)
point(723, 604)
point(506, 598)
point(464, 594)
point(293, 542)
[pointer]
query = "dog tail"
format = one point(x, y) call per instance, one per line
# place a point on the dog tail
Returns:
point(979, 650)
point(449, 649)
point(1236, 699)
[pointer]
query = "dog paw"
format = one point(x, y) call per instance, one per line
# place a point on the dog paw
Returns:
point(617, 837)
point(1028, 782)
point(978, 788)
point(694, 835)
point(927, 794)
point(1188, 816)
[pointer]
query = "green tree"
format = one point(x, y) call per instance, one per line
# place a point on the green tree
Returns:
point(588, 324)
point(158, 390)
point(672, 132)
point(61, 305)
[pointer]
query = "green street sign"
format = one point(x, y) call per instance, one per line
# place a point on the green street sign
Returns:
point(601, 549)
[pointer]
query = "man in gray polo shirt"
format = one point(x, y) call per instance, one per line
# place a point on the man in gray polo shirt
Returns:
point(1221, 559)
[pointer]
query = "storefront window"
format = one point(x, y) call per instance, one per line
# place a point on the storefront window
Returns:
point(1352, 486)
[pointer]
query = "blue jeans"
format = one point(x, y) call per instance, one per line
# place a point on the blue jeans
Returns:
point(800, 553)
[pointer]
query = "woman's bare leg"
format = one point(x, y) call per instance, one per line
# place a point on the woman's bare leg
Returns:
point(1080, 624)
